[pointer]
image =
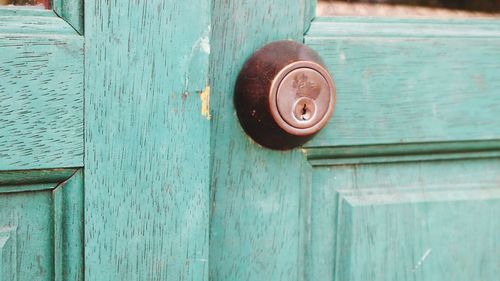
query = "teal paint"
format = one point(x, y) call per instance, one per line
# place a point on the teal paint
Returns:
point(405, 175)
point(35, 176)
point(68, 213)
point(410, 81)
point(406, 221)
point(71, 11)
point(309, 13)
point(408, 199)
point(41, 226)
point(41, 92)
point(256, 227)
point(8, 250)
point(407, 152)
point(147, 141)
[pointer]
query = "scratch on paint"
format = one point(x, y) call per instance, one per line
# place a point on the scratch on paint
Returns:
point(422, 259)
point(205, 103)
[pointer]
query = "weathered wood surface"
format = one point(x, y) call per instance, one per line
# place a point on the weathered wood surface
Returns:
point(68, 210)
point(256, 224)
point(341, 155)
point(406, 173)
point(35, 176)
point(71, 11)
point(407, 81)
point(309, 7)
point(147, 140)
point(405, 221)
point(41, 226)
point(41, 92)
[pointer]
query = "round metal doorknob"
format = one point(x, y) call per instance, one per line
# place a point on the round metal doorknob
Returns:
point(284, 95)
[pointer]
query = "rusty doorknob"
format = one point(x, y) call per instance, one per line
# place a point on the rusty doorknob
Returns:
point(284, 95)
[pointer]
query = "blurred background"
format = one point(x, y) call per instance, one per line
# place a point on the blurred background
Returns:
point(410, 8)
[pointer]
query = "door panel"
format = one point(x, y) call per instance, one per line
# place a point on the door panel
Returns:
point(406, 174)
point(405, 81)
point(41, 91)
point(421, 220)
point(26, 226)
point(41, 230)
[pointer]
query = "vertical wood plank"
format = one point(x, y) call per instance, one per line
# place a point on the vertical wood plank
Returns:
point(256, 224)
point(68, 229)
point(147, 141)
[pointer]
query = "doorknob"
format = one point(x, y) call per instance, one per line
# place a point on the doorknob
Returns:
point(284, 95)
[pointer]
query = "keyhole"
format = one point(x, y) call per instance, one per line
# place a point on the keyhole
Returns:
point(305, 113)
point(304, 110)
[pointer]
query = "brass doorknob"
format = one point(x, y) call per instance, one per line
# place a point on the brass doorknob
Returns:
point(284, 95)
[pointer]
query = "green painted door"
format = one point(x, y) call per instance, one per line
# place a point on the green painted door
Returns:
point(121, 157)
point(104, 140)
point(41, 144)
point(404, 181)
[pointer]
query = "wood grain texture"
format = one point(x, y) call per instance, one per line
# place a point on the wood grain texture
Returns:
point(41, 92)
point(68, 229)
point(411, 221)
point(41, 227)
point(71, 11)
point(410, 81)
point(256, 220)
point(364, 154)
point(147, 141)
point(35, 176)
point(8, 251)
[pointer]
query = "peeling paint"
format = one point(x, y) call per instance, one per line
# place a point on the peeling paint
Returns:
point(205, 103)
point(205, 44)
point(202, 43)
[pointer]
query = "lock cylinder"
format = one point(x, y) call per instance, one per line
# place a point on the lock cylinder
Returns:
point(284, 95)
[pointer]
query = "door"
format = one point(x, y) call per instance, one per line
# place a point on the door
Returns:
point(104, 140)
point(41, 142)
point(121, 157)
point(403, 182)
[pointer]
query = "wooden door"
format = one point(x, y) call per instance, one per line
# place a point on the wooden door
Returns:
point(41, 144)
point(121, 157)
point(104, 140)
point(402, 184)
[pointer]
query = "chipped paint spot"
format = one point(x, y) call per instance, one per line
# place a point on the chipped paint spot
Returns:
point(202, 43)
point(205, 45)
point(342, 57)
point(205, 103)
